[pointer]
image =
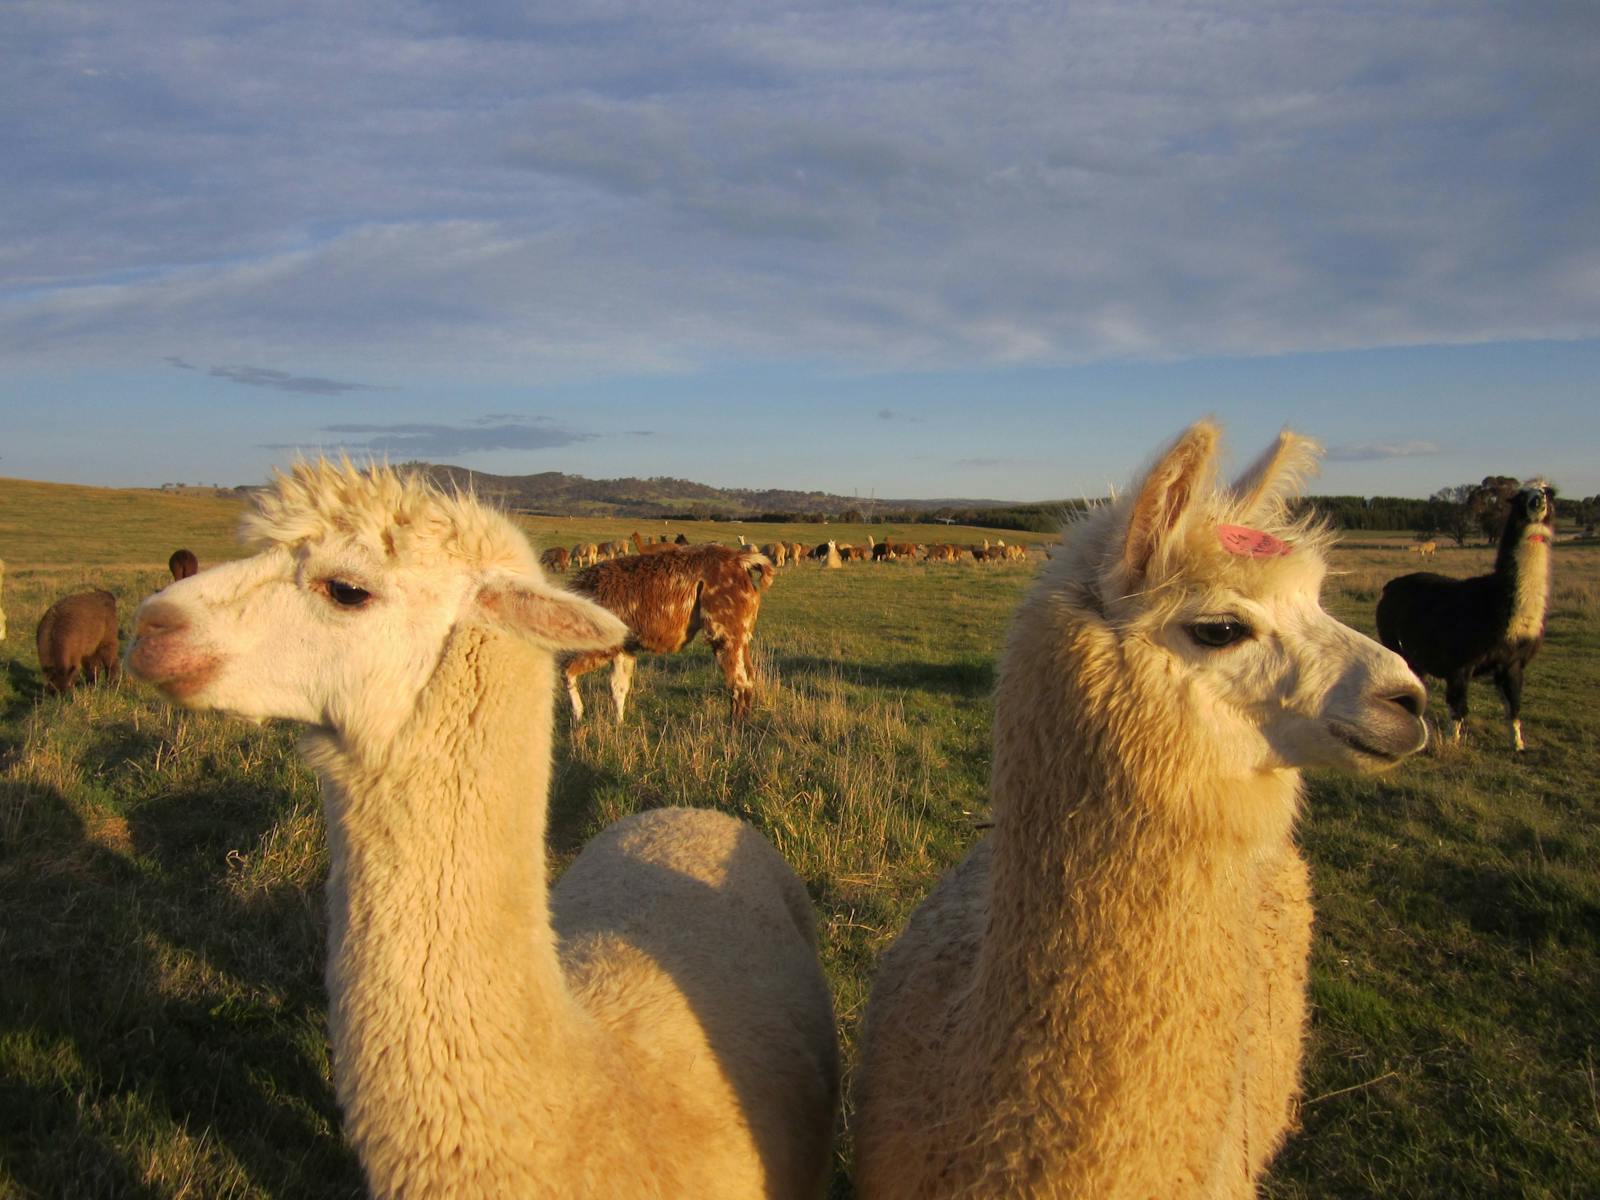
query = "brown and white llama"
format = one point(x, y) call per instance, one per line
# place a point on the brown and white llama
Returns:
point(667, 598)
point(1106, 998)
point(657, 1026)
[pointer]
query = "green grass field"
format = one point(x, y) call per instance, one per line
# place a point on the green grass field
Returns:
point(161, 1006)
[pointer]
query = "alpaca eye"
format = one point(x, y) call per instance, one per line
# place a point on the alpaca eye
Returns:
point(1216, 634)
point(347, 595)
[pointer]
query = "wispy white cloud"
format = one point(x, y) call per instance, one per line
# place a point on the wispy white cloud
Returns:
point(1375, 451)
point(437, 441)
point(282, 381)
point(887, 187)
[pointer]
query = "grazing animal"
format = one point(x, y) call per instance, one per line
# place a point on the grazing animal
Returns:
point(78, 634)
point(183, 564)
point(1425, 549)
point(641, 546)
point(665, 599)
point(778, 552)
point(796, 553)
point(1106, 998)
point(658, 1025)
point(556, 558)
point(1486, 625)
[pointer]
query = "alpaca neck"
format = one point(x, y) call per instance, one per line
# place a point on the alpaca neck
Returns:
point(447, 999)
point(1120, 887)
point(1524, 562)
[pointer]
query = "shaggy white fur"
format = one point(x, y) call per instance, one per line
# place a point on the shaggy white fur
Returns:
point(1106, 998)
point(659, 1026)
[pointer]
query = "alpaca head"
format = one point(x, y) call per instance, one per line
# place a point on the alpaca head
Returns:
point(1211, 597)
point(1530, 510)
point(341, 617)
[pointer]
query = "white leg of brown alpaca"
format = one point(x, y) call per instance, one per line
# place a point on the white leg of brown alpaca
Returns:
point(1106, 998)
point(621, 682)
point(657, 1027)
point(574, 697)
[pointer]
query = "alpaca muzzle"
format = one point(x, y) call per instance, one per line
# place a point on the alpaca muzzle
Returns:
point(1389, 726)
point(163, 652)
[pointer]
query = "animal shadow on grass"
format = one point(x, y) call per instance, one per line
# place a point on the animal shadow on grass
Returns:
point(971, 678)
point(153, 1000)
point(1522, 905)
point(23, 688)
point(118, 743)
point(574, 783)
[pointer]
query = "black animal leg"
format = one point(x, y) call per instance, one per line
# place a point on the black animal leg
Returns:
point(1509, 680)
point(1455, 695)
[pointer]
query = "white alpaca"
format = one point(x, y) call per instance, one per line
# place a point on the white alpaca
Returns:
point(1106, 998)
point(658, 1026)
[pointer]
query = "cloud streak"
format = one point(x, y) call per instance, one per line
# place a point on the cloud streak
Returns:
point(433, 441)
point(282, 381)
point(1377, 451)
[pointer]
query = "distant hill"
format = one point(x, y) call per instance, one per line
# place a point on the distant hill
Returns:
point(553, 493)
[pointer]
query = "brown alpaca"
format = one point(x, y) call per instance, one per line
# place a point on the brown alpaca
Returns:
point(1106, 998)
point(78, 633)
point(665, 599)
point(183, 564)
point(557, 558)
point(643, 547)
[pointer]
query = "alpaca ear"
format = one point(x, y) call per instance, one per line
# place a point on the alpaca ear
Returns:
point(1164, 496)
point(550, 616)
point(1277, 475)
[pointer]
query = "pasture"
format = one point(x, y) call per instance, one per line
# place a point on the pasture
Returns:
point(162, 1024)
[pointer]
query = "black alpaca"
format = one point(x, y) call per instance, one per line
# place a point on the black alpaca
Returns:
point(1486, 625)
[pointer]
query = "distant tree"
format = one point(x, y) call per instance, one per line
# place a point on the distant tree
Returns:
point(851, 516)
point(1449, 511)
point(1489, 501)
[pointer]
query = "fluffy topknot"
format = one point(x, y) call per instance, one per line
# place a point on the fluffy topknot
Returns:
point(401, 517)
point(1192, 553)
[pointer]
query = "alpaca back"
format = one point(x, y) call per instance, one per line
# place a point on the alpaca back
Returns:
point(684, 931)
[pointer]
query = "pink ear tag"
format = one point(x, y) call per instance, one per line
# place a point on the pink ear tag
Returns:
point(1244, 542)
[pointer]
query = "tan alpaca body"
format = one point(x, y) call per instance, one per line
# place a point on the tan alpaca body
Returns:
point(1189, 967)
point(1106, 998)
point(659, 1027)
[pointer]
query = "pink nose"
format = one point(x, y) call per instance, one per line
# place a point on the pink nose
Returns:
point(158, 618)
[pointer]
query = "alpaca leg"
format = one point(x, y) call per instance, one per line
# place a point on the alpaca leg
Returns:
point(733, 655)
point(621, 681)
point(573, 696)
point(1455, 695)
point(1509, 680)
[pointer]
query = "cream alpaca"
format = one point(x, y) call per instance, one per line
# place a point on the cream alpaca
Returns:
point(1106, 998)
point(658, 1026)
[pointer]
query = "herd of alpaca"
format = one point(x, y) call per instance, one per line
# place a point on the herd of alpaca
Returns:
point(1106, 997)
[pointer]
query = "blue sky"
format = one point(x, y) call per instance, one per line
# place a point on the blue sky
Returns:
point(895, 250)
